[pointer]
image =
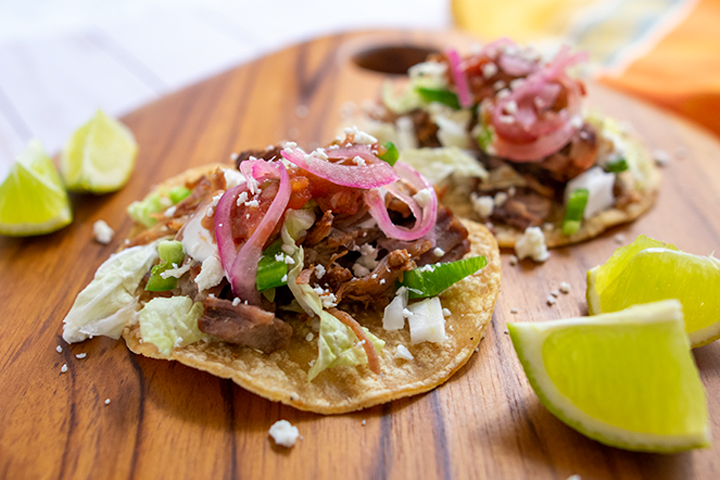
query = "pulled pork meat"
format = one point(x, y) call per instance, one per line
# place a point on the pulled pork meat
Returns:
point(244, 325)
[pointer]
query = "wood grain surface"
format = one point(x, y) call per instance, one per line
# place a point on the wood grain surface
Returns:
point(165, 420)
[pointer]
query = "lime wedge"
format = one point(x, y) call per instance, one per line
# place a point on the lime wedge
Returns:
point(626, 379)
point(648, 270)
point(99, 157)
point(33, 200)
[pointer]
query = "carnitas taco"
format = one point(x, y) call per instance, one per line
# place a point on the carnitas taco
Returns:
point(504, 130)
point(329, 281)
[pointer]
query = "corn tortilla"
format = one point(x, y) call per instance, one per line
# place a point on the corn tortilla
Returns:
point(282, 376)
point(647, 188)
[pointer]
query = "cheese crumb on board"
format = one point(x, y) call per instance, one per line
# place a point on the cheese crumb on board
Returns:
point(284, 433)
point(532, 244)
point(102, 231)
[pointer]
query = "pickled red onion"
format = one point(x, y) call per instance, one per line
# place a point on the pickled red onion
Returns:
point(463, 92)
point(375, 173)
point(535, 130)
point(243, 263)
point(423, 222)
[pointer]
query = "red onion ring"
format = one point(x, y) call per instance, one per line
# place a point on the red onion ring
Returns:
point(376, 173)
point(241, 266)
point(538, 131)
point(423, 223)
point(463, 91)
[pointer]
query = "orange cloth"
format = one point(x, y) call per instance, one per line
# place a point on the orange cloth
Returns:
point(664, 51)
point(682, 71)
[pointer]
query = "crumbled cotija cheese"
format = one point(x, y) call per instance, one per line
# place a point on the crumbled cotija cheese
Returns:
point(211, 273)
point(532, 244)
point(284, 433)
point(402, 352)
point(483, 205)
point(102, 231)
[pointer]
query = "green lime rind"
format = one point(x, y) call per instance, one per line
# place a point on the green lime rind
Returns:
point(99, 157)
point(33, 200)
point(648, 270)
point(625, 379)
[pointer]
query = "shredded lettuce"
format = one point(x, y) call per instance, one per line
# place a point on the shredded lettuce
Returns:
point(437, 164)
point(337, 343)
point(108, 303)
point(170, 322)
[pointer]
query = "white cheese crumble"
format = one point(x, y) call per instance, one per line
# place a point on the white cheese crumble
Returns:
point(403, 353)
point(502, 94)
point(555, 293)
point(511, 107)
point(427, 323)
point(319, 271)
point(661, 156)
point(483, 205)
point(619, 238)
point(438, 252)
point(599, 185)
point(284, 278)
point(177, 272)
point(360, 270)
point(80, 356)
point(241, 199)
point(211, 273)
point(170, 211)
point(309, 337)
point(58, 349)
point(446, 312)
point(284, 433)
point(489, 70)
point(233, 178)
point(532, 244)
point(551, 300)
point(252, 203)
point(513, 260)
point(102, 231)
point(499, 85)
point(359, 161)
point(360, 137)
point(500, 199)
point(565, 287)
point(197, 240)
point(64, 368)
point(423, 197)
point(514, 311)
point(394, 314)
point(236, 301)
point(107, 401)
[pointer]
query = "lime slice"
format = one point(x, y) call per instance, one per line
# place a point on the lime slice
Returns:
point(33, 200)
point(648, 270)
point(626, 379)
point(99, 157)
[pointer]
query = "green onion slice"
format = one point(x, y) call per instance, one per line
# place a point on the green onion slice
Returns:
point(170, 253)
point(485, 137)
point(272, 273)
point(391, 154)
point(446, 97)
point(179, 194)
point(431, 280)
point(574, 211)
point(617, 166)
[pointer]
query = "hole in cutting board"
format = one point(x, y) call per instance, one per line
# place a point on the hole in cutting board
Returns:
point(392, 59)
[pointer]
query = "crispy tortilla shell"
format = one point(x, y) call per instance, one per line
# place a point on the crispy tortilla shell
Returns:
point(647, 189)
point(283, 376)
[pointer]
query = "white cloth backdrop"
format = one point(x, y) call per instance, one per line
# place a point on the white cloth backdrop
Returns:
point(61, 60)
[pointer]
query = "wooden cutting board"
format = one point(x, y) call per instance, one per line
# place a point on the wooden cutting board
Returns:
point(165, 420)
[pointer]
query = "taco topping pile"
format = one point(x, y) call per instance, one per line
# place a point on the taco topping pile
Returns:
point(235, 255)
point(540, 160)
